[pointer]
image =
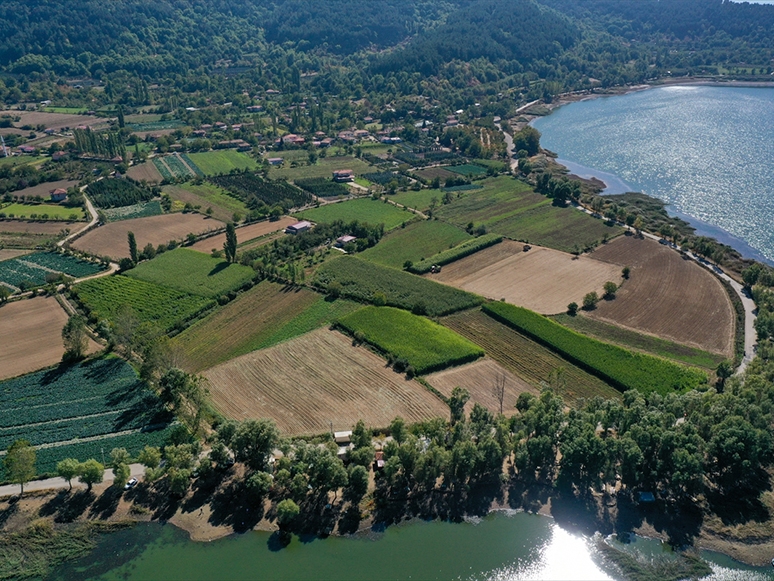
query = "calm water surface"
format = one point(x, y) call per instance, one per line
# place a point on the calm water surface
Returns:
point(503, 546)
point(707, 151)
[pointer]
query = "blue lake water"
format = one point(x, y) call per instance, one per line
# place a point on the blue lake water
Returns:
point(707, 151)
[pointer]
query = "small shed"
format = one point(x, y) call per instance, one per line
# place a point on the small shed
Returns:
point(342, 438)
point(298, 227)
point(343, 175)
point(275, 161)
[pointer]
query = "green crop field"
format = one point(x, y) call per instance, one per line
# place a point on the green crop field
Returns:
point(164, 307)
point(620, 367)
point(510, 207)
point(420, 200)
point(208, 195)
point(33, 269)
point(62, 406)
point(212, 163)
point(141, 210)
point(460, 251)
point(267, 314)
point(362, 210)
point(363, 281)
point(192, 272)
point(42, 212)
point(324, 168)
point(415, 242)
point(427, 346)
point(467, 169)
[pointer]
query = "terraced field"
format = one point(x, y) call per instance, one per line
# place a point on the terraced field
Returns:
point(526, 359)
point(315, 381)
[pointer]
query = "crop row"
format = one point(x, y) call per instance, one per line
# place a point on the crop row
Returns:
point(425, 345)
point(250, 188)
point(368, 282)
point(178, 167)
point(65, 263)
point(16, 272)
point(142, 210)
point(104, 298)
point(192, 165)
point(113, 193)
point(322, 187)
point(619, 367)
point(162, 167)
point(460, 251)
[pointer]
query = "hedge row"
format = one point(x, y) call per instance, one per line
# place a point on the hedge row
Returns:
point(460, 251)
point(621, 368)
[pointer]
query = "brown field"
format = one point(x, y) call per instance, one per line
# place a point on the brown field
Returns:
point(47, 227)
point(8, 254)
point(526, 359)
point(316, 380)
point(244, 234)
point(667, 296)
point(479, 379)
point(44, 190)
point(31, 332)
point(145, 171)
point(111, 239)
point(431, 173)
point(543, 280)
point(56, 120)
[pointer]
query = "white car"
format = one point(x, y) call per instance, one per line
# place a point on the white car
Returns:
point(131, 484)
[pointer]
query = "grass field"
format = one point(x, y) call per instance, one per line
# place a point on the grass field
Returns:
point(362, 210)
point(110, 400)
point(634, 340)
point(420, 200)
point(222, 161)
point(192, 272)
point(52, 211)
point(467, 169)
point(620, 367)
point(528, 360)
point(165, 308)
point(317, 381)
point(509, 207)
point(363, 281)
point(458, 252)
point(208, 195)
point(265, 315)
point(415, 242)
point(324, 168)
point(425, 345)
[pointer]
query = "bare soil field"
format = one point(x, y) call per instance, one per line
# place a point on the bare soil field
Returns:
point(480, 379)
point(317, 379)
point(56, 120)
point(667, 296)
point(31, 332)
point(244, 234)
point(8, 254)
point(542, 280)
point(145, 171)
point(111, 239)
point(24, 227)
point(44, 190)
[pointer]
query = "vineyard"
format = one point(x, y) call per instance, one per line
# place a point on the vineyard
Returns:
point(114, 193)
point(425, 345)
point(622, 368)
point(192, 272)
point(32, 270)
point(255, 191)
point(62, 406)
point(105, 298)
point(461, 251)
point(364, 281)
point(363, 210)
point(528, 360)
point(415, 242)
point(142, 210)
point(322, 187)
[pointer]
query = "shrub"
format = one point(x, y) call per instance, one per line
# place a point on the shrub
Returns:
point(572, 309)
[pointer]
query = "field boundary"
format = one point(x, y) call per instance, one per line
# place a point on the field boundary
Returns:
point(458, 252)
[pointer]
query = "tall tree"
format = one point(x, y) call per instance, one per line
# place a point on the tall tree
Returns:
point(75, 338)
point(91, 472)
point(132, 247)
point(230, 245)
point(68, 469)
point(20, 463)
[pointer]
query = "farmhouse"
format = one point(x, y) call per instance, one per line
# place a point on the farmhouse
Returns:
point(58, 195)
point(343, 175)
point(275, 161)
point(298, 227)
point(59, 156)
point(342, 240)
point(28, 149)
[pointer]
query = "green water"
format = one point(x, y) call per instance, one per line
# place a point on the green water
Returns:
point(503, 546)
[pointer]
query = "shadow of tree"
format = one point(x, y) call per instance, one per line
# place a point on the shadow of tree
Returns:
point(106, 505)
point(67, 506)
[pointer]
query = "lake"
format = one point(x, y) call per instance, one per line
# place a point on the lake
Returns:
point(707, 151)
point(503, 546)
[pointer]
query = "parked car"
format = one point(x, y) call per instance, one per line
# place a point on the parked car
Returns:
point(131, 484)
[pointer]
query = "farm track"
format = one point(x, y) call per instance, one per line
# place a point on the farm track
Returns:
point(526, 359)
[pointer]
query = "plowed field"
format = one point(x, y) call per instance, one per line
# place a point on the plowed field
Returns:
point(244, 234)
point(31, 336)
point(145, 171)
point(667, 296)
point(315, 381)
point(479, 379)
point(111, 239)
point(542, 280)
point(21, 226)
point(526, 359)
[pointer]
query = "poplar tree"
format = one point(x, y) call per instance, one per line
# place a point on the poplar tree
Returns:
point(132, 247)
point(230, 246)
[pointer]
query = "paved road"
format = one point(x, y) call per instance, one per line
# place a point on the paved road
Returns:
point(137, 470)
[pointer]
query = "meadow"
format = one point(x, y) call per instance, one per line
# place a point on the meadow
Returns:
point(420, 200)
point(212, 163)
point(208, 195)
point(363, 210)
point(423, 344)
point(192, 272)
point(365, 281)
point(415, 242)
point(42, 212)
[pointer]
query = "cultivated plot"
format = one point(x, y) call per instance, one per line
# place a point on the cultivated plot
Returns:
point(363, 210)
point(415, 242)
point(315, 381)
point(111, 239)
point(542, 280)
point(667, 296)
point(208, 195)
point(324, 168)
point(31, 336)
point(244, 234)
point(145, 172)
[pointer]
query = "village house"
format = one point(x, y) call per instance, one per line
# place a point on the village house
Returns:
point(58, 195)
point(298, 227)
point(275, 161)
